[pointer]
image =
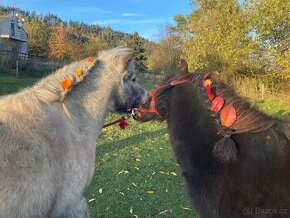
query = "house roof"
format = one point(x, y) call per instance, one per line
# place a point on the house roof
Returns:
point(6, 33)
point(3, 17)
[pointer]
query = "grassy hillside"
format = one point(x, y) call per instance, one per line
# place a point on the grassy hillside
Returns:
point(136, 173)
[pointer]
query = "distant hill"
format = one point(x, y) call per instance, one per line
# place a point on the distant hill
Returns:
point(81, 38)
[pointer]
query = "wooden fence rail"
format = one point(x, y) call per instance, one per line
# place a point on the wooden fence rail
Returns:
point(21, 56)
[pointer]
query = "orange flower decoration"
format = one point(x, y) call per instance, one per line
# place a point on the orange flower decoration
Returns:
point(66, 84)
point(79, 72)
point(90, 59)
point(207, 82)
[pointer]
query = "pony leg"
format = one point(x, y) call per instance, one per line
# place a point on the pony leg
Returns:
point(77, 210)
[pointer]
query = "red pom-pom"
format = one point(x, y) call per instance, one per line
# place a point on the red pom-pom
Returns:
point(123, 123)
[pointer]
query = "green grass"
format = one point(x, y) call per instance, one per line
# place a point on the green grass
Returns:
point(10, 84)
point(136, 172)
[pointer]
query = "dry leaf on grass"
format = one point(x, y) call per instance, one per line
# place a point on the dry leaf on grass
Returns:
point(150, 192)
point(123, 172)
point(165, 212)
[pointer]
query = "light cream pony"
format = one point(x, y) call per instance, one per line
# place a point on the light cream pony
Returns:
point(48, 134)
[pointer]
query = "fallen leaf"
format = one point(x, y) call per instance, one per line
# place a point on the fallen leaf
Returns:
point(134, 184)
point(138, 160)
point(150, 192)
point(131, 210)
point(136, 168)
point(217, 104)
point(228, 115)
point(186, 208)
point(121, 193)
point(173, 173)
point(100, 190)
point(123, 172)
point(91, 200)
point(164, 212)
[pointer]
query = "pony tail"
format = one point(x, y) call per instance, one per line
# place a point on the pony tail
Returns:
point(225, 148)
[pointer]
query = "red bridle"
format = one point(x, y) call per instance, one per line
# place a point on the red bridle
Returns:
point(152, 94)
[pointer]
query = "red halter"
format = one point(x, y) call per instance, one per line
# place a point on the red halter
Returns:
point(152, 94)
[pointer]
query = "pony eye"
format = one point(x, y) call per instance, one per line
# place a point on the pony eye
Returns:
point(134, 79)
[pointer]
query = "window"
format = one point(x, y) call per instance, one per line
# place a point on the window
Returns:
point(12, 29)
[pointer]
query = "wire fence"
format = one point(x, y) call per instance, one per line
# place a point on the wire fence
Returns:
point(16, 63)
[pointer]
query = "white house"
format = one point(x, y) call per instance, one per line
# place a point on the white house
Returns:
point(12, 35)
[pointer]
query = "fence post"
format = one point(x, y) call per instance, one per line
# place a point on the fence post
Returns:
point(16, 67)
point(263, 91)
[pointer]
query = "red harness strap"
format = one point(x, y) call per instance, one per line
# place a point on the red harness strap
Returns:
point(152, 108)
point(152, 94)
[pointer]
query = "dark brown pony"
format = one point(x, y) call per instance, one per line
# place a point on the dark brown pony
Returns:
point(247, 175)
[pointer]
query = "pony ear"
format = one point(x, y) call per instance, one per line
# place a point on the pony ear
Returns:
point(182, 67)
point(123, 58)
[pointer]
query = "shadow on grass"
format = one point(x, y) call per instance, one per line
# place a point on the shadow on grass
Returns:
point(122, 143)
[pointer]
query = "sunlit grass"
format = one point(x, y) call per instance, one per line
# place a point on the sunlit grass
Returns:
point(136, 174)
point(135, 171)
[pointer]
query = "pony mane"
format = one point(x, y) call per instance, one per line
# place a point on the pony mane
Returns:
point(49, 89)
point(249, 118)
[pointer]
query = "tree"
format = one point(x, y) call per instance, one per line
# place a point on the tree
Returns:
point(272, 34)
point(217, 38)
point(126, 41)
point(38, 36)
point(139, 53)
point(52, 20)
point(59, 47)
point(94, 45)
point(165, 55)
